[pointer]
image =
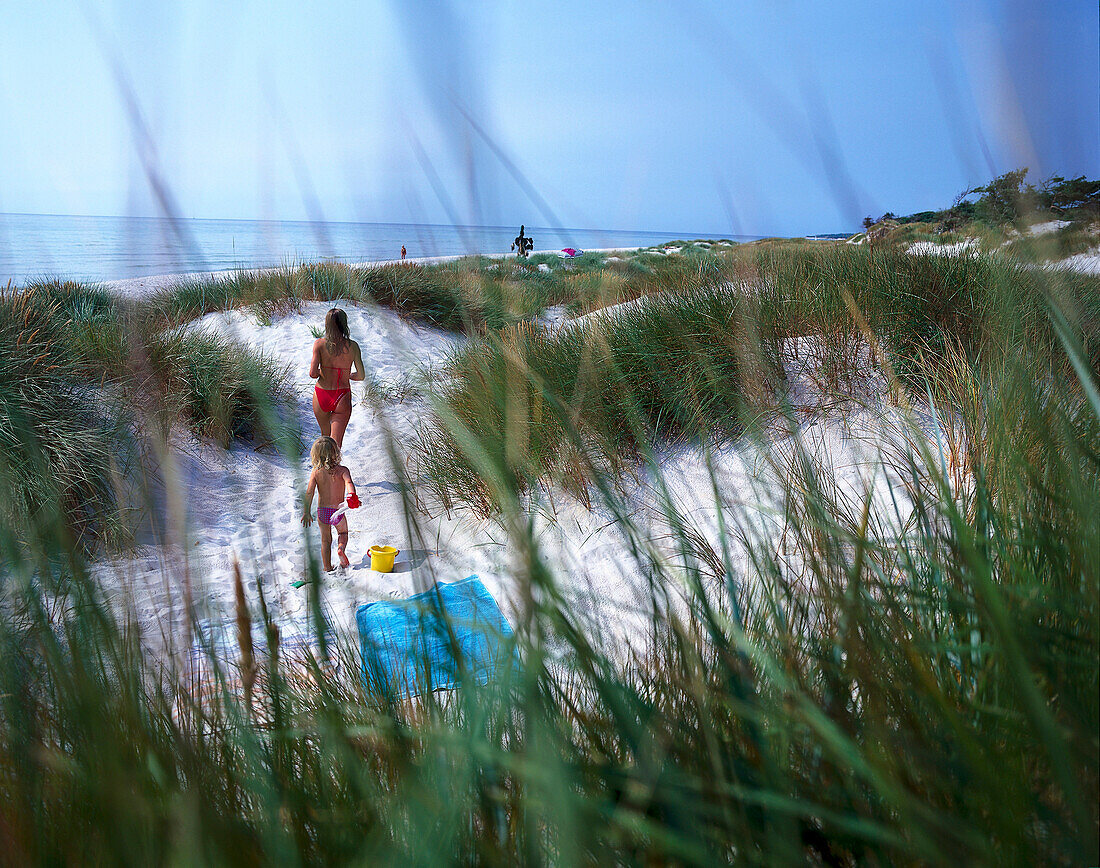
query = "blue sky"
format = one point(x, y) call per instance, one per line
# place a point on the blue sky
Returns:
point(755, 117)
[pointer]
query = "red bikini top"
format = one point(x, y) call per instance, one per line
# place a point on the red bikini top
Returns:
point(337, 369)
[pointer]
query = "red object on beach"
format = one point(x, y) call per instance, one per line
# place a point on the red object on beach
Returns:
point(353, 501)
point(569, 251)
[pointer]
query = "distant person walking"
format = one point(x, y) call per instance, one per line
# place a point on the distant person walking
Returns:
point(335, 363)
point(402, 252)
point(522, 244)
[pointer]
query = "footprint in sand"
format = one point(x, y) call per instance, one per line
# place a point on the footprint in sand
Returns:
point(295, 602)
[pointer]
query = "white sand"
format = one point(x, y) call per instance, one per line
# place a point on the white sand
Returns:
point(1082, 263)
point(244, 504)
point(966, 247)
point(1048, 227)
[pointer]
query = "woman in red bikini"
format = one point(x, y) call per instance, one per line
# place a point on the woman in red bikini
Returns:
point(336, 362)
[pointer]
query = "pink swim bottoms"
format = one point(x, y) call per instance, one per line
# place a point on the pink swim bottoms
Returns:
point(324, 515)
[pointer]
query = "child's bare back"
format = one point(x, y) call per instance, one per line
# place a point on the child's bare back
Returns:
point(332, 485)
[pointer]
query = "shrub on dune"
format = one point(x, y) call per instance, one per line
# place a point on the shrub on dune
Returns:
point(79, 325)
point(221, 389)
point(427, 294)
point(919, 306)
point(62, 440)
point(275, 289)
point(74, 364)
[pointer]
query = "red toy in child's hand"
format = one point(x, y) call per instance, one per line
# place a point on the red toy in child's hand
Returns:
point(353, 501)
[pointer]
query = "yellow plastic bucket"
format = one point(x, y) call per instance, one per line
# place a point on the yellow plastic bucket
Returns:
point(381, 558)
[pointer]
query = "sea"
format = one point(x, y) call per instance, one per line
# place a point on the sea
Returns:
point(85, 248)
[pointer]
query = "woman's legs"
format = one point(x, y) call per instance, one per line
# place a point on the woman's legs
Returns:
point(323, 418)
point(339, 418)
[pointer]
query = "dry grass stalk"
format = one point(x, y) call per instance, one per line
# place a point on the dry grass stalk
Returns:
point(244, 636)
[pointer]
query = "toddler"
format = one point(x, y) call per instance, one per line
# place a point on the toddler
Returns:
point(331, 480)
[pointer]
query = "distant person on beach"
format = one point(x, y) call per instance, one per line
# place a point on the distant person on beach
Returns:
point(402, 252)
point(522, 244)
point(331, 482)
point(336, 362)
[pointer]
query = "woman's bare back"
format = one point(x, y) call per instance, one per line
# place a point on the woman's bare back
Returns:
point(334, 369)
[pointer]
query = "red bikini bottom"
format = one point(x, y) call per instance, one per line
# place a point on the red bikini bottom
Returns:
point(329, 399)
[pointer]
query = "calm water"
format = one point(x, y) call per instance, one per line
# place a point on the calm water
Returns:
point(109, 248)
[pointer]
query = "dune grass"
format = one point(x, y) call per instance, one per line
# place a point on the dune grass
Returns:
point(65, 439)
point(80, 372)
point(674, 367)
point(221, 389)
point(545, 404)
point(82, 323)
point(863, 696)
point(467, 295)
point(218, 388)
point(62, 441)
point(866, 691)
point(1052, 246)
point(918, 306)
point(432, 295)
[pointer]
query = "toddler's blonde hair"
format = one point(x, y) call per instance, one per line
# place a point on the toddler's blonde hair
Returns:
point(325, 453)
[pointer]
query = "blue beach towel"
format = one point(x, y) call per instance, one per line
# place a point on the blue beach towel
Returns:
point(431, 640)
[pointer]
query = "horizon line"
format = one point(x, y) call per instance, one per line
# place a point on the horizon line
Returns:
point(370, 223)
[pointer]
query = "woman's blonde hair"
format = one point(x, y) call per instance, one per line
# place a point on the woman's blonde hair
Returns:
point(325, 453)
point(336, 331)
